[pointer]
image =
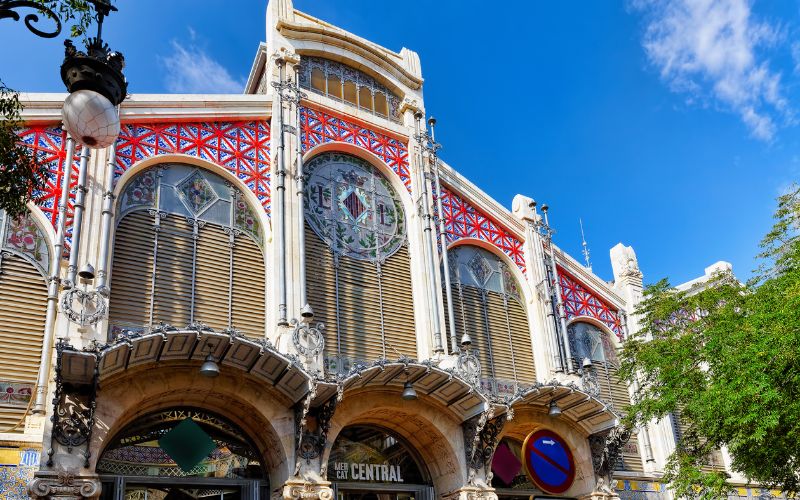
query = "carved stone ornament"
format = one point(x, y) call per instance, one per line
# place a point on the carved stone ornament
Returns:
point(469, 367)
point(471, 493)
point(300, 489)
point(63, 485)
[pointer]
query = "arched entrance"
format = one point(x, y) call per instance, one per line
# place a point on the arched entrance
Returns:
point(182, 453)
point(369, 462)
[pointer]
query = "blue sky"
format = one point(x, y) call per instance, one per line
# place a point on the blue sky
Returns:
point(669, 125)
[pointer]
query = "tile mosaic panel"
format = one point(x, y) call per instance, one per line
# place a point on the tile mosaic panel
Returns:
point(581, 301)
point(317, 127)
point(464, 220)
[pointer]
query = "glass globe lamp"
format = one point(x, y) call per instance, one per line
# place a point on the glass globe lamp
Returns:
point(90, 118)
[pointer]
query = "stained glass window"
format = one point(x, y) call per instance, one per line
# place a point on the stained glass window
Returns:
point(22, 236)
point(353, 208)
point(588, 341)
point(192, 192)
point(479, 268)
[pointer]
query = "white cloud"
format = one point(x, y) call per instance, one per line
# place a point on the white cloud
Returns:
point(189, 69)
point(708, 50)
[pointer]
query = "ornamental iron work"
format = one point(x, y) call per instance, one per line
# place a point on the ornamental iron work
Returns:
point(308, 340)
point(83, 307)
point(481, 434)
point(606, 449)
point(7, 11)
point(73, 408)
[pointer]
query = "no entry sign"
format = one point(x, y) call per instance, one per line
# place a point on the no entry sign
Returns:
point(548, 461)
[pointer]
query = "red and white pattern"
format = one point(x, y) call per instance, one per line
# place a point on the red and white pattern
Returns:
point(580, 301)
point(318, 127)
point(49, 144)
point(243, 148)
point(463, 220)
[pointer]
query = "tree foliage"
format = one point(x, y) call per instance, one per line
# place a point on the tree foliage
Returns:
point(22, 174)
point(726, 355)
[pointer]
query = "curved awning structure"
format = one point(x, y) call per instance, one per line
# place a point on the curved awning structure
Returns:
point(577, 405)
point(444, 386)
point(255, 357)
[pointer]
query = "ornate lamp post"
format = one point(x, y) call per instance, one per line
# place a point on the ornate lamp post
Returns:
point(96, 85)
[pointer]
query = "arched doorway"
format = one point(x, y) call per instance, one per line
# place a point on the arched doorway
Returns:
point(369, 462)
point(182, 453)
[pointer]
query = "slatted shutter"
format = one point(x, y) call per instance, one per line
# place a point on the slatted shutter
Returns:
point(495, 357)
point(468, 310)
point(249, 291)
point(358, 335)
point(23, 294)
point(521, 341)
point(398, 305)
point(504, 361)
point(212, 279)
point(173, 290)
point(321, 287)
point(132, 271)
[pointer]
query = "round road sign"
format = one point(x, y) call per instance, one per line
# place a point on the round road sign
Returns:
point(548, 461)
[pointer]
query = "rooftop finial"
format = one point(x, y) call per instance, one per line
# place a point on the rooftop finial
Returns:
point(585, 247)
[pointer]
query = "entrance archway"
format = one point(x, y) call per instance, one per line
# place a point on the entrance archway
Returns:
point(182, 453)
point(369, 462)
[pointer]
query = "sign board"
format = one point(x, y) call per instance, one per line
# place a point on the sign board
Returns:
point(384, 473)
point(548, 461)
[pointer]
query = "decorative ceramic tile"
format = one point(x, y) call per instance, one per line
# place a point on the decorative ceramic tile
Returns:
point(464, 220)
point(317, 127)
point(581, 301)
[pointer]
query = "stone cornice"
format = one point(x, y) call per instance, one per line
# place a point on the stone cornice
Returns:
point(257, 70)
point(338, 38)
point(46, 108)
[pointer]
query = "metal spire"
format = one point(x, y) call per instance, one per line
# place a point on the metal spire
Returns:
point(585, 247)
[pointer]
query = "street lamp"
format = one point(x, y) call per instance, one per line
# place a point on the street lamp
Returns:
point(96, 85)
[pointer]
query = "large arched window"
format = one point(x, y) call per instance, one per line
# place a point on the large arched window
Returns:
point(187, 251)
point(24, 265)
point(587, 341)
point(488, 306)
point(359, 278)
point(192, 452)
point(349, 85)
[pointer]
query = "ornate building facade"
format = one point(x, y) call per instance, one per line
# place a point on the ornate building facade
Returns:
point(291, 295)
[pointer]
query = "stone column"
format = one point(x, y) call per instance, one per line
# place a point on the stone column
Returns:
point(300, 488)
point(471, 493)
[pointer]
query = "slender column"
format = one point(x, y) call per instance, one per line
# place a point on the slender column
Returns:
point(427, 229)
point(305, 308)
point(562, 317)
point(77, 219)
point(106, 224)
point(280, 196)
point(53, 281)
point(451, 318)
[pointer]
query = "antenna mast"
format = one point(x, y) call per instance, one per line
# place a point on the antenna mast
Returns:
point(585, 247)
